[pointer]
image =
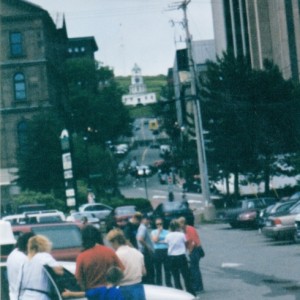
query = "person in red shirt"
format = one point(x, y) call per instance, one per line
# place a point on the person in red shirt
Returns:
point(193, 244)
point(94, 261)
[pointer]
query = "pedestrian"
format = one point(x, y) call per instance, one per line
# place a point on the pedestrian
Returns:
point(94, 261)
point(34, 283)
point(193, 246)
point(145, 245)
point(131, 228)
point(109, 292)
point(176, 253)
point(161, 261)
point(133, 261)
point(15, 261)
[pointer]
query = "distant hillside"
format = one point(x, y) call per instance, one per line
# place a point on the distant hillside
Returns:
point(153, 83)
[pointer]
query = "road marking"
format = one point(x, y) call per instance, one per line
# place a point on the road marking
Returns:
point(231, 265)
point(144, 154)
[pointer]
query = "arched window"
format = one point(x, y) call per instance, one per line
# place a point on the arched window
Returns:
point(22, 130)
point(19, 87)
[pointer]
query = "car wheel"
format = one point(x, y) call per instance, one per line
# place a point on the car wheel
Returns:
point(233, 224)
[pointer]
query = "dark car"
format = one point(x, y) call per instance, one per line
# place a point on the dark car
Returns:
point(119, 216)
point(192, 186)
point(65, 238)
point(272, 210)
point(246, 211)
point(173, 210)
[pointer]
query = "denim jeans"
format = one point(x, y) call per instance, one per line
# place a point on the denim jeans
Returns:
point(133, 292)
point(196, 277)
point(161, 261)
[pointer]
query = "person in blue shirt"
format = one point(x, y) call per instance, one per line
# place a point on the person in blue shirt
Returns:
point(158, 236)
point(109, 292)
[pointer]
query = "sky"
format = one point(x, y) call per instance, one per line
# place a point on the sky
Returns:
point(146, 32)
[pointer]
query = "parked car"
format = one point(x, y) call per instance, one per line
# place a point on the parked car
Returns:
point(249, 207)
point(173, 210)
point(65, 237)
point(68, 280)
point(119, 216)
point(99, 210)
point(282, 226)
point(44, 216)
point(77, 217)
point(277, 208)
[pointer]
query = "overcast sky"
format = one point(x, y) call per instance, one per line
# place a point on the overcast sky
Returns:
point(133, 31)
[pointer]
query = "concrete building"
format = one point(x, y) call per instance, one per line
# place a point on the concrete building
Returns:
point(138, 94)
point(264, 29)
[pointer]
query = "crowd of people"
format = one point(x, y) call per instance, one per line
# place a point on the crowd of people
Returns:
point(136, 255)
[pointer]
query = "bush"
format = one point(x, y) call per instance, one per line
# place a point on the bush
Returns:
point(31, 197)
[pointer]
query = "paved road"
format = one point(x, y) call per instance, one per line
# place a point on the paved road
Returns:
point(243, 264)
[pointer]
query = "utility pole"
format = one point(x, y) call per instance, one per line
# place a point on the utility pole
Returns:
point(197, 114)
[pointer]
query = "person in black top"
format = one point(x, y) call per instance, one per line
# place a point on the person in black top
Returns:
point(130, 230)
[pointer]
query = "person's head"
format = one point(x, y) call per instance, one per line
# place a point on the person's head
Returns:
point(146, 220)
point(116, 238)
point(137, 218)
point(114, 275)
point(39, 243)
point(90, 237)
point(159, 223)
point(174, 225)
point(182, 222)
point(22, 242)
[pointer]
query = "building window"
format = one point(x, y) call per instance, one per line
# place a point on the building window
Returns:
point(70, 50)
point(16, 44)
point(19, 87)
point(22, 130)
point(82, 49)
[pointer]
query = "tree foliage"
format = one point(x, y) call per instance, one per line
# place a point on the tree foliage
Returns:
point(251, 116)
point(40, 166)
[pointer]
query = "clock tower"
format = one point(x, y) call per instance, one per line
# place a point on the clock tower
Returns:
point(137, 84)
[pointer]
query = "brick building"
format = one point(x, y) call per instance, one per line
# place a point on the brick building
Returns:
point(32, 55)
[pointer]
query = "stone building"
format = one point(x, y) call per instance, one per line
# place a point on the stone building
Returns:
point(138, 94)
point(32, 56)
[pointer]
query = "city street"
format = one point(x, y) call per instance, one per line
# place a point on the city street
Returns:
point(243, 264)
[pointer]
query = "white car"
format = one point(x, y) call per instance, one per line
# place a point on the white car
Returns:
point(99, 210)
point(43, 216)
point(153, 292)
point(143, 170)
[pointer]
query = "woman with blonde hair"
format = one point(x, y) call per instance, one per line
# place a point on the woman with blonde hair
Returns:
point(33, 281)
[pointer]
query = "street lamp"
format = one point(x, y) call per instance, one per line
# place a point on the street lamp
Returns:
point(145, 182)
point(87, 158)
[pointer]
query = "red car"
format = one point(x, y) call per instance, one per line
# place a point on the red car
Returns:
point(65, 238)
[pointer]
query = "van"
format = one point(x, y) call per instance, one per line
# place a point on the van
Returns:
point(43, 216)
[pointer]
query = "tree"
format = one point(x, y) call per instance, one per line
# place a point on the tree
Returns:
point(40, 166)
point(249, 115)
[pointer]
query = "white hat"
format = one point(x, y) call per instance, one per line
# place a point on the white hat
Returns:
point(6, 233)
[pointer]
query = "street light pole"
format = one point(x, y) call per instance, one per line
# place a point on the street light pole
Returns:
point(197, 113)
point(145, 183)
point(87, 157)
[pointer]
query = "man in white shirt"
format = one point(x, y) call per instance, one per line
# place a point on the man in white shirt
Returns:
point(15, 261)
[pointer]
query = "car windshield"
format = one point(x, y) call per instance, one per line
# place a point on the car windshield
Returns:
point(61, 236)
point(171, 206)
point(125, 210)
